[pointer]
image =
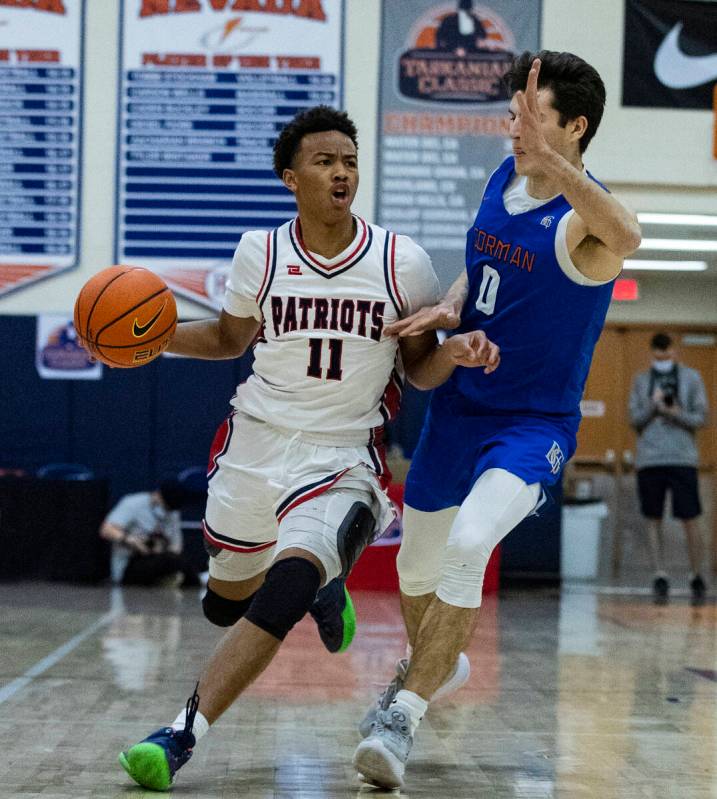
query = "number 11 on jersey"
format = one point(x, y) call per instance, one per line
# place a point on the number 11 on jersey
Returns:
point(336, 346)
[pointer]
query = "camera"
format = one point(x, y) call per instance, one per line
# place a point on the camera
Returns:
point(668, 399)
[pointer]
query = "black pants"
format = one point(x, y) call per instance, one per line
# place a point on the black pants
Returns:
point(153, 568)
point(681, 481)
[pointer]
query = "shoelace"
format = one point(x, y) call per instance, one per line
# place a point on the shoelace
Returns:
point(191, 712)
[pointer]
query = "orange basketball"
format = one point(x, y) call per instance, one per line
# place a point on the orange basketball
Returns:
point(125, 316)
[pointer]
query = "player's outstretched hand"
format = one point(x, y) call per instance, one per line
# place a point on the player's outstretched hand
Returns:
point(474, 349)
point(531, 145)
point(433, 317)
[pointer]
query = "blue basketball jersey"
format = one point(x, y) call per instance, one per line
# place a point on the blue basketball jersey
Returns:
point(545, 324)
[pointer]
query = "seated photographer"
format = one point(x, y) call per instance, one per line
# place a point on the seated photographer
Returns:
point(668, 404)
point(146, 535)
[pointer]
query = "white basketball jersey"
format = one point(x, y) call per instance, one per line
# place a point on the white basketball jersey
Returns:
point(322, 363)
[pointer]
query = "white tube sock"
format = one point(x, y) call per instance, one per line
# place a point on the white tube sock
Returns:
point(200, 727)
point(417, 706)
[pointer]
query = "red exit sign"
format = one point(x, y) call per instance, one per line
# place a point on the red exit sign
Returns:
point(625, 289)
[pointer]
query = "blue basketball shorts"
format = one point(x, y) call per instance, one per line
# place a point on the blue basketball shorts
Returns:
point(456, 447)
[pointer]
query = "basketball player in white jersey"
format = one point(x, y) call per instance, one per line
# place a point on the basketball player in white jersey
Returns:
point(295, 488)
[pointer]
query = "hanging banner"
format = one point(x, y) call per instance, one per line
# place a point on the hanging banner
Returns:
point(670, 54)
point(444, 115)
point(204, 95)
point(58, 354)
point(40, 138)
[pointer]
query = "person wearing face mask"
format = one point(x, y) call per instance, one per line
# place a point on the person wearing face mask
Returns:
point(668, 404)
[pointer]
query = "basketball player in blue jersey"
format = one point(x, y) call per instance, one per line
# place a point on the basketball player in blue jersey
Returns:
point(541, 258)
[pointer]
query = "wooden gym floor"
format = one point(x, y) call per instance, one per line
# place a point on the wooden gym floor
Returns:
point(573, 695)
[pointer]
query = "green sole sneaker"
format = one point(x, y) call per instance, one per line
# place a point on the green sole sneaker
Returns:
point(334, 614)
point(147, 764)
point(348, 617)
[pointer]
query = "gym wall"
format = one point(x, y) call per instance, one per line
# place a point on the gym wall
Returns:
point(671, 172)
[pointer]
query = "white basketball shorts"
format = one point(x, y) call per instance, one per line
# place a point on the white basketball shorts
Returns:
point(271, 489)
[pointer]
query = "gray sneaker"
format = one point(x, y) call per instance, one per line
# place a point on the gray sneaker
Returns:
point(385, 699)
point(457, 679)
point(381, 758)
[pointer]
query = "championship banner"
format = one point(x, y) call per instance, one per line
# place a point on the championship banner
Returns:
point(444, 115)
point(670, 54)
point(40, 138)
point(58, 354)
point(206, 86)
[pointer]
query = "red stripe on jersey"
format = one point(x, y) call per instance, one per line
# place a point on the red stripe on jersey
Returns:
point(379, 449)
point(223, 544)
point(266, 266)
point(391, 399)
point(393, 271)
point(220, 444)
point(310, 495)
point(329, 267)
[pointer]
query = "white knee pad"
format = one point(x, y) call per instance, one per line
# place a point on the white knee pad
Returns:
point(423, 545)
point(496, 504)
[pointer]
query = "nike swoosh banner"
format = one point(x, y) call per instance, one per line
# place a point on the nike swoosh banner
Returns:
point(670, 54)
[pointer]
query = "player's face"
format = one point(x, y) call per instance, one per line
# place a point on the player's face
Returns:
point(557, 136)
point(325, 175)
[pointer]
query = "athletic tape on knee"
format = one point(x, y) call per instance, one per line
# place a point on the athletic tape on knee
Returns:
point(496, 504)
point(423, 544)
point(285, 597)
point(222, 611)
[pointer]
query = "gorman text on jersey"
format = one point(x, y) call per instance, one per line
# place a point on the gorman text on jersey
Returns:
point(506, 251)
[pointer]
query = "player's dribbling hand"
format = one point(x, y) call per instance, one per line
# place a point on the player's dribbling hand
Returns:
point(474, 349)
point(433, 317)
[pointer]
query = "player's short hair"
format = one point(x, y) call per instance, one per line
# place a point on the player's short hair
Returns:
point(318, 119)
point(578, 89)
point(661, 341)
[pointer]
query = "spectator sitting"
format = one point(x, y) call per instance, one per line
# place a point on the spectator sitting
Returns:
point(146, 535)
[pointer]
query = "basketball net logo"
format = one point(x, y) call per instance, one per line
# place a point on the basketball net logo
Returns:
point(547, 221)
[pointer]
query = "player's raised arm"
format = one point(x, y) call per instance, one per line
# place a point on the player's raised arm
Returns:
point(444, 315)
point(606, 230)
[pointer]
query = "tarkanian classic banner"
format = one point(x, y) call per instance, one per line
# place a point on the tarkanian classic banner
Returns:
point(205, 90)
point(670, 54)
point(40, 138)
point(443, 121)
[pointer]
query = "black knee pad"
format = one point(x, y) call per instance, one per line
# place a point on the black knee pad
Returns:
point(354, 535)
point(224, 612)
point(288, 591)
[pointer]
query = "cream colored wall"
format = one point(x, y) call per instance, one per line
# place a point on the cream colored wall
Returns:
point(592, 28)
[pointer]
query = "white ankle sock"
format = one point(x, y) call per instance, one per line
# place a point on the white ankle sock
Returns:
point(415, 704)
point(200, 727)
